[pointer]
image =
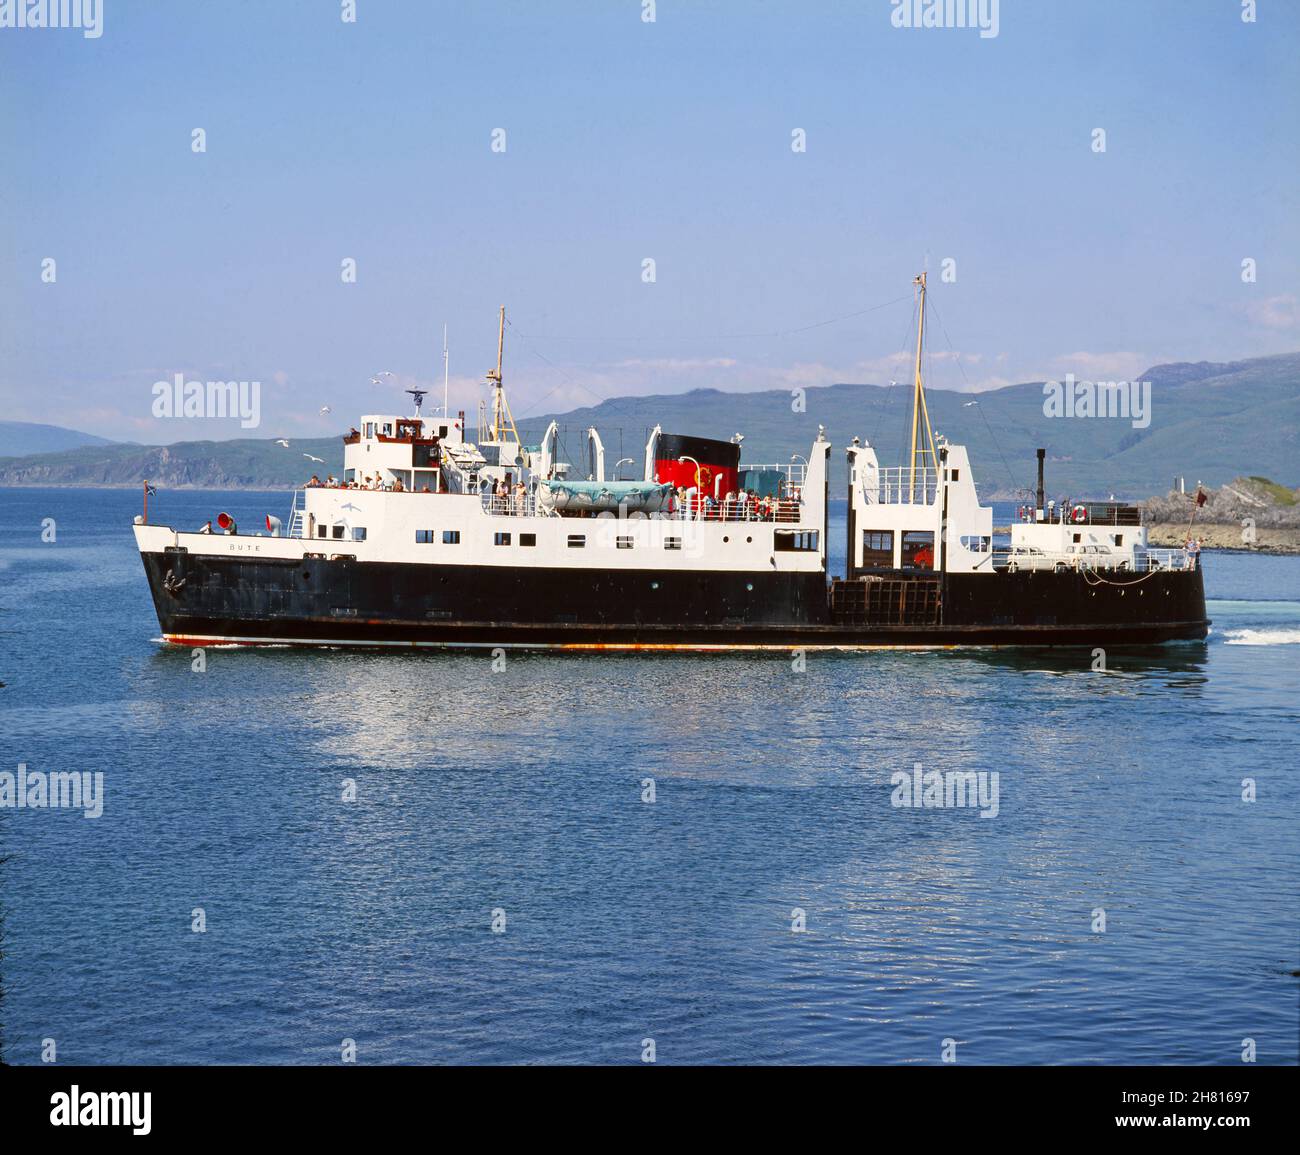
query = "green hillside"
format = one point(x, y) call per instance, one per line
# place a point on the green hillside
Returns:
point(245, 463)
point(1210, 422)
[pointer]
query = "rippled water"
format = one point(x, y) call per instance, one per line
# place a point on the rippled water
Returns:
point(520, 790)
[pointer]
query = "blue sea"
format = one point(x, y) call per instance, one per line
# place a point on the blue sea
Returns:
point(1124, 905)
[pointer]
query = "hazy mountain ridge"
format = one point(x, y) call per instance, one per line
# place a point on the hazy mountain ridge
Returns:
point(28, 437)
point(245, 463)
point(1210, 422)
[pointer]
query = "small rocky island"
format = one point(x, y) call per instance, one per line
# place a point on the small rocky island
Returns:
point(1248, 513)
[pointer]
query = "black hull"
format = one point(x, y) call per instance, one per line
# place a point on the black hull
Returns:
point(204, 600)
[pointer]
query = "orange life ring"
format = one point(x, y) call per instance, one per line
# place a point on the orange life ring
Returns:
point(1079, 514)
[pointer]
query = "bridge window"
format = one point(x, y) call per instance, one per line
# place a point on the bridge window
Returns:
point(338, 532)
point(528, 539)
point(624, 543)
point(451, 537)
point(577, 541)
point(877, 547)
point(425, 536)
point(918, 549)
point(976, 544)
point(370, 428)
point(359, 533)
point(501, 539)
point(792, 541)
point(672, 543)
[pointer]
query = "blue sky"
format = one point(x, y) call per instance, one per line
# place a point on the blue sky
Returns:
point(628, 140)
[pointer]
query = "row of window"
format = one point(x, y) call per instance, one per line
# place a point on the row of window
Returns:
point(452, 537)
point(576, 540)
point(785, 540)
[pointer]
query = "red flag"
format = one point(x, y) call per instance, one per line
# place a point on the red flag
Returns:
point(1201, 498)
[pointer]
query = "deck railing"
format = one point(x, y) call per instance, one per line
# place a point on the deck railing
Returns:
point(899, 485)
point(514, 505)
point(1145, 561)
point(794, 472)
point(787, 511)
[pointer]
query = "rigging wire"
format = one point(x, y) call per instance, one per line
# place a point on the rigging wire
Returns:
point(883, 403)
point(992, 436)
point(526, 339)
point(733, 336)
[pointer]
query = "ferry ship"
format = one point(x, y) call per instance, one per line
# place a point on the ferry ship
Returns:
point(431, 539)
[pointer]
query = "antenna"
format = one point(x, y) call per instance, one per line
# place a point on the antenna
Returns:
point(445, 411)
point(418, 394)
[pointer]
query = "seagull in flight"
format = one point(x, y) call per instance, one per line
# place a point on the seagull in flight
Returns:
point(325, 409)
point(282, 441)
point(311, 458)
point(968, 404)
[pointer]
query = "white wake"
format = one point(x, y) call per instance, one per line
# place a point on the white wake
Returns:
point(1279, 636)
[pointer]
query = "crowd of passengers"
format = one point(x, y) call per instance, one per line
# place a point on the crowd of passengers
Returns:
point(742, 505)
point(366, 481)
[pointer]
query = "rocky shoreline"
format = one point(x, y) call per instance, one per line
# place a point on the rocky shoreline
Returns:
point(1267, 539)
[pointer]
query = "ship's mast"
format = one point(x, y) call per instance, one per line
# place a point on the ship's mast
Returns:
point(920, 412)
point(502, 419)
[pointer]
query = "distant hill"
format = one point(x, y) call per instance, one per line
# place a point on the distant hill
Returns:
point(246, 463)
point(27, 437)
point(1210, 422)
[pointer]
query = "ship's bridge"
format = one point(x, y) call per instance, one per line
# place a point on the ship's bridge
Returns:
point(399, 452)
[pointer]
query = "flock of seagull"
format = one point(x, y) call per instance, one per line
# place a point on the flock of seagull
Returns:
point(325, 410)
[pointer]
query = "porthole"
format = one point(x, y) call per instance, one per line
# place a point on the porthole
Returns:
point(749, 586)
point(654, 585)
point(750, 539)
point(725, 539)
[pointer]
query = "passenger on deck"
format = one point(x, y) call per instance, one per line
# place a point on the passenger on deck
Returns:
point(314, 483)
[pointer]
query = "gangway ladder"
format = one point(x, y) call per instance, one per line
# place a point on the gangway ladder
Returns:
point(298, 513)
